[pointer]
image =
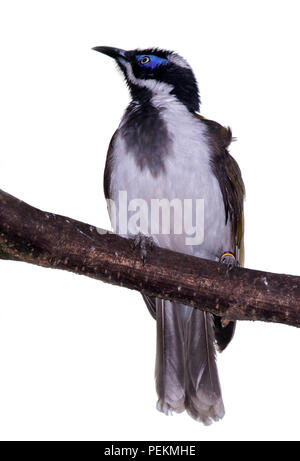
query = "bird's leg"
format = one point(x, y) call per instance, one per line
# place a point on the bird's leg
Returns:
point(144, 243)
point(229, 260)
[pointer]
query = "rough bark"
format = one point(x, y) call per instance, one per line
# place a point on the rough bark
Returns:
point(33, 236)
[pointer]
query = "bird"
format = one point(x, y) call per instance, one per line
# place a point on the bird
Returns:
point(164, 149)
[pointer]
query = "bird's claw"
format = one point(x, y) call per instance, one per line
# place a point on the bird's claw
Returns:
point(229, 260)
point(144, 243)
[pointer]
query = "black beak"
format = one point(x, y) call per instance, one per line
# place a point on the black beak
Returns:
point(112, 52)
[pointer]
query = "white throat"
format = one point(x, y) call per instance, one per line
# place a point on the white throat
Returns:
point(155, 86)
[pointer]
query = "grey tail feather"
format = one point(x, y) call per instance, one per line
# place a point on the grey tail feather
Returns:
point(186, 371)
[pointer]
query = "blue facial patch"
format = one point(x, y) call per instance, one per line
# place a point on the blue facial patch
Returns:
point(153, 61)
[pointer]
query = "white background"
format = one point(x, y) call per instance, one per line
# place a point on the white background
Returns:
point(76, 355)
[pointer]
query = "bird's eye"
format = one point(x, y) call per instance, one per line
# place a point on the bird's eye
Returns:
point(144, 60)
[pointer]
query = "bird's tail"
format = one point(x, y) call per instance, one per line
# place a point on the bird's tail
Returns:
point(186, 371)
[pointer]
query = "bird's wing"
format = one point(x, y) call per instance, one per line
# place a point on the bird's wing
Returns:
point(231, 184)
point(151, 304)
point(230, 180)
point(108, 167)
point(150, 301)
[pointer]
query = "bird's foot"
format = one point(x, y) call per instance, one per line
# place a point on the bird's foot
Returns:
point(229, 260)
point(144, 243)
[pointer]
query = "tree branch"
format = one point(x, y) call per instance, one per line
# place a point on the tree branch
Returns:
point(33, 236)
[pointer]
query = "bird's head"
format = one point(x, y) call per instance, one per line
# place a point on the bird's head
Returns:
point(154, 71)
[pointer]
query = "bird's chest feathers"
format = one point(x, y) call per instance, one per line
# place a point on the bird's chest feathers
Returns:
point(162, 152)
point(171, 161)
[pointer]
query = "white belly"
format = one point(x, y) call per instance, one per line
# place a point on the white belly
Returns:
point(187, 175)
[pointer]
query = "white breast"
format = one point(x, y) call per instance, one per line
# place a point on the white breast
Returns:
point(187, 175)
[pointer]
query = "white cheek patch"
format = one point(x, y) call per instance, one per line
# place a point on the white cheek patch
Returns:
point(153, 85)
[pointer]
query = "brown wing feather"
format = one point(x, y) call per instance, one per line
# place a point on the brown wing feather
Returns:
point(231, 183)
point(230, 179)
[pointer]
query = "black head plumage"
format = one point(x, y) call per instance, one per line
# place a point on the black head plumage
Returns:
point(153, 70)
